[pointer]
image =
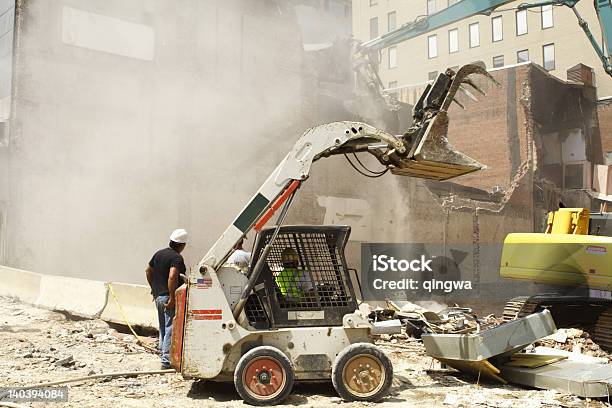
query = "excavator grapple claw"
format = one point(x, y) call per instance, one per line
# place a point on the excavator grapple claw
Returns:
point(429, 154)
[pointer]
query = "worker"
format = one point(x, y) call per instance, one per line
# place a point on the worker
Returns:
point(240, 257)
point(163, 276)
point(292, 282)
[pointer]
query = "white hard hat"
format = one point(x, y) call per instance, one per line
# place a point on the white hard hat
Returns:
point(179, 236)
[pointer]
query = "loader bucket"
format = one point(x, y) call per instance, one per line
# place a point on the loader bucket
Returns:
point(431, 156)
point(434, 158)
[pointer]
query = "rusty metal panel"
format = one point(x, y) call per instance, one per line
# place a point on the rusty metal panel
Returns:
point(178, 325)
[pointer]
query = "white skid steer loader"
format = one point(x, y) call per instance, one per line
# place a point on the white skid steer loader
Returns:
point(294, 316)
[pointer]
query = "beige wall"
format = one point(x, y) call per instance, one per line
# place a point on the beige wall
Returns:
point(413, 64)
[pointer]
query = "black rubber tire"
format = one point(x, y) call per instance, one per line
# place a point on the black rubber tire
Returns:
point(256, 353)
point(345, 356)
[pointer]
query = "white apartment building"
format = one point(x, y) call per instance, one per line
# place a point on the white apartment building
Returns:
point(549, 36)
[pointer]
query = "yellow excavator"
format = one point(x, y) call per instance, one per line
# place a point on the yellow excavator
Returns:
point(575, 251)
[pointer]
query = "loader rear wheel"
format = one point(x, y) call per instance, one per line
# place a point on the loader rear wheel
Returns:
point(263, 376)
point(362, 372)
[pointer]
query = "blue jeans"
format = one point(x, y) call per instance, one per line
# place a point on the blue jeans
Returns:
point(165, 317)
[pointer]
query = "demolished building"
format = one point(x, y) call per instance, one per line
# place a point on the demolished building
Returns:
point(110, 144)
point(539, 137)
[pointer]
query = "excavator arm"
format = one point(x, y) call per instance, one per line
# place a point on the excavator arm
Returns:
point(468, 8)
point(457, 12)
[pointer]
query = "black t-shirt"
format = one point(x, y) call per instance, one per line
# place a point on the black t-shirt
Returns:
point(162, 261)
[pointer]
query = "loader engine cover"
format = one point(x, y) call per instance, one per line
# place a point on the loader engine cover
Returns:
point(233, 283)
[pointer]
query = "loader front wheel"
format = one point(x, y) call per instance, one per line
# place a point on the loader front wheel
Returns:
point(263, 376)
point(362, 372)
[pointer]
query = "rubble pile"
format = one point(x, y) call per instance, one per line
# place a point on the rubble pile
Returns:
point(418, 320)
point(574, 340)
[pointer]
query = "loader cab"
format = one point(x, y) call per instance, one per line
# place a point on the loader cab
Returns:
point(315, 290)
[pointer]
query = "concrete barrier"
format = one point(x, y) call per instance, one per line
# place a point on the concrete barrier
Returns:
point(136, 302)
point(18, 284)
point(80, 297)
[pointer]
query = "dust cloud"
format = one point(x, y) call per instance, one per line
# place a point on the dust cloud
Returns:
point(130, 119)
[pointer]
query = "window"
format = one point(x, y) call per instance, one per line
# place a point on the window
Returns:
point(547, 16)
point(522, 56)
point(432, 46)
point(373, 2)
point(373, 27)
point(451, 2)
point(432, 75)
point(549, 56)
point(521, 22)
point(392, 57)
point(391, 21)
point(431, 7)
point(497, 26)
point(474, 35)
point(453, 40)
point(498, 61)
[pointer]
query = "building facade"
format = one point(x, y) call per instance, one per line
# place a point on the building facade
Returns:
point(548, 36)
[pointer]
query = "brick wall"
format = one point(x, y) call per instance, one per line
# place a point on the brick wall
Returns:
point(491, 130)
point(604, 114)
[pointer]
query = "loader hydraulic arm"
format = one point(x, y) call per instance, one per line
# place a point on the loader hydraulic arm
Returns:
point(423, 152)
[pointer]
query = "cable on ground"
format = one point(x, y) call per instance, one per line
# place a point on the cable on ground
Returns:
point(125, 319)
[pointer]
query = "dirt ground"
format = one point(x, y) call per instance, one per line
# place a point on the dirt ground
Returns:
point(40, 345)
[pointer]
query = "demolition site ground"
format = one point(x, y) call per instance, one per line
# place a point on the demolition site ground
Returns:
point(40, 346)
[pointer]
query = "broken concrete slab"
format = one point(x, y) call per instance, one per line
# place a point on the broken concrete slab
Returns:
point(505, 339)
point(577, 357)
point(65, 361)
point(581, 379)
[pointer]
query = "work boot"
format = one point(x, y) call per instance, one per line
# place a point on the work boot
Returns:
point(165, 366)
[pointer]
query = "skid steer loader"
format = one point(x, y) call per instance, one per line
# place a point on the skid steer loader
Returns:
point(294, 315)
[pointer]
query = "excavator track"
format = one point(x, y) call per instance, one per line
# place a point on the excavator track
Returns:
point(593, 315)
point(602, 333)
point(517, 307)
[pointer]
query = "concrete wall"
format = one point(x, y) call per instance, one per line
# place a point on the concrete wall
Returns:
point(604, 113)
point(110, 301)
